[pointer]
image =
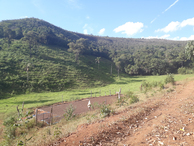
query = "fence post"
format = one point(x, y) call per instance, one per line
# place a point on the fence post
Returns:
point(62, 98)
point(110, 92)
point(36, 115)
point(51, 115)
point(23, 106)
point(91, 93)
point(95, 94)
point(105, 93)
point(43, 119)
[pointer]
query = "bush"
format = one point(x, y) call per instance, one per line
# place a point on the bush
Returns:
point(169, 79)
point(161, 85)
point(134, 99)
point(182, 70)
point(10, 121)
point(105, 110)
point(30, 124)
point(69, 112)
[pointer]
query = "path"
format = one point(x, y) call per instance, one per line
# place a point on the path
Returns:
point(159, 121)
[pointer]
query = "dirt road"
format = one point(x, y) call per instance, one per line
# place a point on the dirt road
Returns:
point(166, 120)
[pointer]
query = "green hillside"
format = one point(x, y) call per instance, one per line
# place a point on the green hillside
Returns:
point(35, 57)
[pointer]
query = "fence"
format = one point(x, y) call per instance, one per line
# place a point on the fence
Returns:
point(53, 114)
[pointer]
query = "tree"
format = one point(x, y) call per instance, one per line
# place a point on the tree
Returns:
point(78, 47)
point(32, 38)
point(189, 50)
point(98, 61)
point(8, 34)
point(118, 65)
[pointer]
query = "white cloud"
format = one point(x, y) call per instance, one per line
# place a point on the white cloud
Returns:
point(24, 17)
point(157, 37)
point(187, 39)
point(74, 4)
point(85, 25)
point(187, 22)
point(87, 17)
point(130, 28)
point(101, 32)
point(85, 31)
point(175, 38)
point(170, 6)
point(174, 26)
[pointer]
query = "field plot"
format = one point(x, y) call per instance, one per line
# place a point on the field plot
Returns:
point(79, 105)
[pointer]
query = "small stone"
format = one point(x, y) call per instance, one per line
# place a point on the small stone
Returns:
point(188, 134)
point(160, 142)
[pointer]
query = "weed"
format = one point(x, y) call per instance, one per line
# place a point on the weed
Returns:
point(105, 110)
point(69, 112)
point(161, 85)
point(57, 133)
point(169, 79)
point(134, 99)
point(30, 124)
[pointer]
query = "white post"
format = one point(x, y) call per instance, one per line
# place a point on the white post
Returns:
point(119, 95)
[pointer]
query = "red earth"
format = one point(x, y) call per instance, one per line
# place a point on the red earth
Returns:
point(163, 120)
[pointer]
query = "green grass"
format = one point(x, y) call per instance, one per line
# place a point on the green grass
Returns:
point(8, 106)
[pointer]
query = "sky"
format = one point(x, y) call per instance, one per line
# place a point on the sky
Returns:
point(162, 19)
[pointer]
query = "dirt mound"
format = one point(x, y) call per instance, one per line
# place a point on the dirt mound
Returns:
point(159, 121)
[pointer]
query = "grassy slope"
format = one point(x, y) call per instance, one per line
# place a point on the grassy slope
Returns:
point(8, 106)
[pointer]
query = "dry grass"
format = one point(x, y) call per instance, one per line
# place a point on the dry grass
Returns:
point(46, 135)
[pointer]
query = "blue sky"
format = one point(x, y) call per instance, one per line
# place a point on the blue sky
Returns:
point(167, 19)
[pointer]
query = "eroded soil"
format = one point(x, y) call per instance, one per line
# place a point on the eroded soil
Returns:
point(166, 120)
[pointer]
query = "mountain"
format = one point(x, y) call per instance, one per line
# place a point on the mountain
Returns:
point(35, 57)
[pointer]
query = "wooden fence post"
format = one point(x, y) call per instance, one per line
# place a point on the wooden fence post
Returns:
point(23, 106)
point(110, 92)
point(91, 93)
point(18, 111)
point(36, 115)
point(51, 115)
point(43, 119)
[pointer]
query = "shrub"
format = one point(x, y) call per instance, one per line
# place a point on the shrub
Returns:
point(105, 110)
point(30, 124)
point(161, 85)
point(134, 99)
point(182, 70)
point(10, 121)
point(69, 112)
point(169, 79)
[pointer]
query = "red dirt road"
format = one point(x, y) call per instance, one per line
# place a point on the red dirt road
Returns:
point(168, 120)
